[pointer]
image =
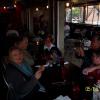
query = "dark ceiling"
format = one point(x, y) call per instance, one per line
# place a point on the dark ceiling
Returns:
point(27, 3)
point(5, 2)
point(33, 2)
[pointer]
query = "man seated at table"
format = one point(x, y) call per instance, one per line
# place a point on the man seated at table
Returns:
point(51, 56)
point(22, 44)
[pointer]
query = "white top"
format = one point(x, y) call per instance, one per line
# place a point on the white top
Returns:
point(49, 48)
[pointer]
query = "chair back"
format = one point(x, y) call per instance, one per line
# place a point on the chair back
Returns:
point(10, 92)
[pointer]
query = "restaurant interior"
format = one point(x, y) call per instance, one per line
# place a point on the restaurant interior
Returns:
point(57, 48)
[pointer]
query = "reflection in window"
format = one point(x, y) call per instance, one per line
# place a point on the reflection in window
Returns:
point(77, 14)
point(92, 15)
point(68, 15)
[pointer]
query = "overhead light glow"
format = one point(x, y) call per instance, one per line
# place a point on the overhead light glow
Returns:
point(15, 2)
point(37, 9)
point(67, 4)
point(73, 8)
point(47, 6)
point(8, 7)
point(4, 7)
point(14, 6)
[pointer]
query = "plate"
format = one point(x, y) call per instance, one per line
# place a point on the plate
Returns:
point(46, 65)
point(66, 62)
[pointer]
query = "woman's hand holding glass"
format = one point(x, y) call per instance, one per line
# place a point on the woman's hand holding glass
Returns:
point(39, 72)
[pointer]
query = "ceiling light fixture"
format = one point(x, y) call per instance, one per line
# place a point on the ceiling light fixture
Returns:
point(4, 7)
point(15, 2)
point(14, 6)
point(37, 9)
point(47, 6)
point(67, 4)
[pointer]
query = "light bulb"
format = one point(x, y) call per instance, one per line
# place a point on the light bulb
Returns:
point(47, 6)
point(4, 7)
point(37, 9)
point(14, 6)
point(67, 4)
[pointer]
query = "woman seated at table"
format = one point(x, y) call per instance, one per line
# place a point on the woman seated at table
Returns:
point(50, 50)
point(22, 44)
point(93, 73)
point(21, 77)
point(95, 65)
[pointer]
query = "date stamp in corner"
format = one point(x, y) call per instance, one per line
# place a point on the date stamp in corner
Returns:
point(92, 89)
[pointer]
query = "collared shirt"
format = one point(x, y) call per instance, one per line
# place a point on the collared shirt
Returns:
point(49, 48)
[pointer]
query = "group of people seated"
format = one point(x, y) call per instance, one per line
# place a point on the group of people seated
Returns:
point(20, 73)
point(90, 70)
point(19, 68)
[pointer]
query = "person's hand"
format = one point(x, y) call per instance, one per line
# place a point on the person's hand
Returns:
point(79, 51)
point(82, 54)
point(86, 71)
point(41, 68)
point(38, 75)
point(98, 82)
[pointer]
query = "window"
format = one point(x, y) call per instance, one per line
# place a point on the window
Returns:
point(92, 15)
point(74, 15)
point(77, 14)
point(68, 15)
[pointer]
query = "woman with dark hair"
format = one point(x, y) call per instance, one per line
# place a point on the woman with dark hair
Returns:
point(92, 76)
point(87, 61)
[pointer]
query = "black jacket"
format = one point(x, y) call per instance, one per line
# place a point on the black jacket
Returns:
point(22, 84)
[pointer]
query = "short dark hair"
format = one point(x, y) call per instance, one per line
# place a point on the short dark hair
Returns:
point(96, 52)
point(20, 39)
point(97, 36)
point(49, 36)
point(13, 48)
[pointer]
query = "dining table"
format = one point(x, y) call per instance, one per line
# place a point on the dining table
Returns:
point(61, 79)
